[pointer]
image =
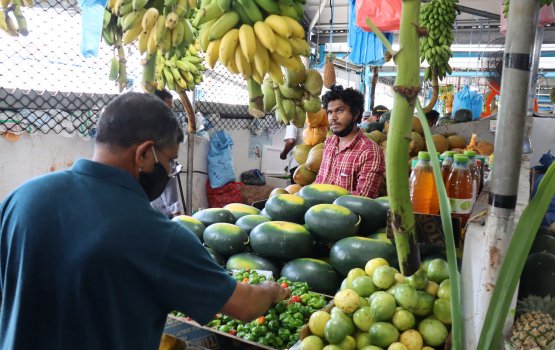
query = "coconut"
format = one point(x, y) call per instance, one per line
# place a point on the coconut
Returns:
point(386, 126)
point(377, 136)
point(300, 117)
point(312, 103)
point(484, 148)
point(269, 93)
point(440, 142)
point(294, 93)
point(417, 143)
point(313, 82)
point(294, 77)
point(289, 108)
point(456, 141)
point(417, 126)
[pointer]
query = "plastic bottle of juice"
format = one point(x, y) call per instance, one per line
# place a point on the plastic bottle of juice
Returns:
point(446, 164)
point(459, 189)
point(422, 186)
point(473, 167)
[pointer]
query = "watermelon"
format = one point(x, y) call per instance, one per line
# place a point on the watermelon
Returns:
point(191, 223)
point(332, 222)
point(264, 213)
point(213, 215)
point(286, 207)
point(373, 215)
point(380, 236)
point(282, 240)
point(239, 210)
point(320, 276)
point(250, 261)
point(538, 276)
point(383, 201)
point(543, 243)
point(248, 222)
point(322, 193)
point(216, 256)
point(226, 239)
point(352, 252)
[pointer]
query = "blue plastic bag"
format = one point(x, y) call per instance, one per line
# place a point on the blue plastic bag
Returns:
point(468, 99)
point(220, 163)
point(92, 14)
point(477, 102)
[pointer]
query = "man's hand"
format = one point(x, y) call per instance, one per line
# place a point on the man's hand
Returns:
point(283, 156)
point(280, 292)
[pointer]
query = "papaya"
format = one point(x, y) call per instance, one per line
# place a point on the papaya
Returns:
point(300, 153)
point(314, 159)
point(303, 176)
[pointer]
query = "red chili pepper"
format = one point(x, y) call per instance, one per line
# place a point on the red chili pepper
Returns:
point(284, 285)
point(295, 299)
point(246, 280)
point(261, 320)
point(232, 332)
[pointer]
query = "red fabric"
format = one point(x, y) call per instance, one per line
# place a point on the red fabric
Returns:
point(386, 14)
point(359, 167)
point(228, 193)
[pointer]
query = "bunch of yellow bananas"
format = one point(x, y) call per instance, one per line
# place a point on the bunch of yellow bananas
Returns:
point(253, 38)
point(438, 17)
point(17, 26)
point(180, 73)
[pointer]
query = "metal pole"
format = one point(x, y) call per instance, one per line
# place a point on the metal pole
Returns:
point(527, 144)
point(190, 157)
point(484, 251)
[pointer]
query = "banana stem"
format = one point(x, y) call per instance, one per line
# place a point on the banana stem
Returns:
point(256, 105)
point(407, 86)
point(122, 77)
point(191, 124)
point(380, 36)
point(435, 91)
point(149, 67)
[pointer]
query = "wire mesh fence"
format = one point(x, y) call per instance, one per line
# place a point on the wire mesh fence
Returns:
point(46, 86)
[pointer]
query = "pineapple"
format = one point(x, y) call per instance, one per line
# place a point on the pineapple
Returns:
point(329, 71)
point(535, 325)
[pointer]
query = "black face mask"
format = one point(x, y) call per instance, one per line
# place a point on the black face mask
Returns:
point(154, 183)
point(347, 130)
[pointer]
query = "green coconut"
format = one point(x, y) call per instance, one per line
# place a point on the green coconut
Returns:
point(294, 77)
point(313, 82)
point(311, 103)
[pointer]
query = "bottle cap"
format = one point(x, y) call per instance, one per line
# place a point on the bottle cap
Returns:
point(447, 154)
point(461, 158)
point(470, 154)
point(413, 163)
point(423, 155)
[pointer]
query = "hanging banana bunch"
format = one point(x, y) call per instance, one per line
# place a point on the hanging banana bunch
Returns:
point(506, 6)
point(163, 33)
point(16, 25)
point(263, 41)
point(437, 17)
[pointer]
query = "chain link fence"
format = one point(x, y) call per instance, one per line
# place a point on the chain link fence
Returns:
point(46, 86)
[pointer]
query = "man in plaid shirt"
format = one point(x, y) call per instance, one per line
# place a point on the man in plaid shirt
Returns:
point(350, 160)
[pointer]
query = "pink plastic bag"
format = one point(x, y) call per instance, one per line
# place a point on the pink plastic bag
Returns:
point(546, 16)
point(386, 14)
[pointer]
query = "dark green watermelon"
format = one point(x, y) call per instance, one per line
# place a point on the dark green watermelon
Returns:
point(226, 239)
point(373, 215)
point(189, 222)
point(251, 262)
point(217, 257)
point(538, 276)
point(281, 240)
point(352, 252)
point(320, 276)
point(248, 222)
point(214, 215)
point(332, 222)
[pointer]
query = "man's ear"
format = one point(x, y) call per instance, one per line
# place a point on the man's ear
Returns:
point(142, 152)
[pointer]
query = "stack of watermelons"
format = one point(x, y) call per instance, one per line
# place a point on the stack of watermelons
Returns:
point(316, 235)
point(538, 276)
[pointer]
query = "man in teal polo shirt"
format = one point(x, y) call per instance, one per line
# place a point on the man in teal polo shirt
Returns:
point(87, 263)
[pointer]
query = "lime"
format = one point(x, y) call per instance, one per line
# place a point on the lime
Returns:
point(397, 346)
point(363, 285)
point(331, 347)
point(372, 264)
point(418, 280)
point(317, 322)
point(375, 295)
point(427, 348)
point(312, 342)
point(432, 288)
point(363, 318)
point(383, 276)
point(412, 339)
point(354, 273)
point(405, 296)
point(438, 270)
point(383, 334)
point(400, 278)
point(347, 300)
point(371, 347)
point(424, 305)
point(403, 320)
point(363, 339)
point(344, 285)
point(444, 290)
point(383, 307)
point(364, 302)
point(349, 343)
point(442, 310)
point(336, 330)
point(433, 331)
point(337, 313)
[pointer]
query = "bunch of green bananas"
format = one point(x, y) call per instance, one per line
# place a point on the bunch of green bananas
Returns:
point(7, 23)
point(253, 38)
point(506, 6)
point(182, 73)
point(438, 17)
point(298, 95)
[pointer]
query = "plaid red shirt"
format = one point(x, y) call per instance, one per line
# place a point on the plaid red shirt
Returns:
point(359, 167)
